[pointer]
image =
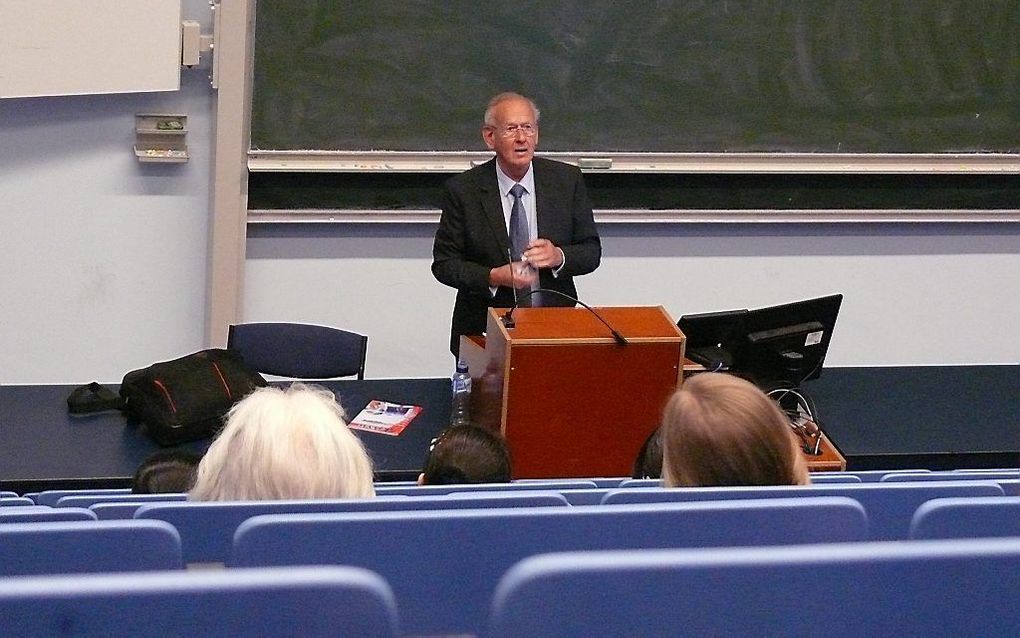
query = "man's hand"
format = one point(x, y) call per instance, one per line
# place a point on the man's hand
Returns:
point(523, 275)
point(542, 253)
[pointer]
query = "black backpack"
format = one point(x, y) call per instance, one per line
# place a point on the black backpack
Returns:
point(186, 399)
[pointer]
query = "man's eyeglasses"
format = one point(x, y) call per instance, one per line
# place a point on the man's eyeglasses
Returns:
point(511, 130)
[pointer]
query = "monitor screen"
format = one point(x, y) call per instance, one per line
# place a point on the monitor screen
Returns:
point(776, 346)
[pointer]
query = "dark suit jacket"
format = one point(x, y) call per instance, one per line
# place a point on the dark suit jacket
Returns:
point(472, 239)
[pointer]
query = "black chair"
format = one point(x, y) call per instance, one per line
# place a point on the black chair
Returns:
point(299, 350)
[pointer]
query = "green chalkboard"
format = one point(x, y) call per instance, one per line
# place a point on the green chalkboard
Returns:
point(827, 76)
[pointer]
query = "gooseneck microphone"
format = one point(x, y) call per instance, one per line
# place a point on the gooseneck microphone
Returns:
point(508, 320)
point(508, 316)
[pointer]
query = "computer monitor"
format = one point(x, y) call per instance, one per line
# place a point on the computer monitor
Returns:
point(776, 346)
point(785, 345)
point(711, 337)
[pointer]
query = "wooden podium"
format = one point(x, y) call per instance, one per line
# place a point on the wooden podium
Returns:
point(569, 399)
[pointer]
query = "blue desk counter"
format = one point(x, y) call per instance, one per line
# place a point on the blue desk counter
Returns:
point(43, 447)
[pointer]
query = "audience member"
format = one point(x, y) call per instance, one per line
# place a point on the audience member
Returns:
point(466, 454)
point(285, 443)
point(166, 471)
point(719, 429)
point(648, 464)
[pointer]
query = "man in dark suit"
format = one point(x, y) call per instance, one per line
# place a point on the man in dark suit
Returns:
point(472, 251)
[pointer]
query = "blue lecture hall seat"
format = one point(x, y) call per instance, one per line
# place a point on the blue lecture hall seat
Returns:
point(890, 506)
point(88, 546)
point(6, 494)
point(90, 500)
point(912, 588)
point(39, 513)
point(300, 601)
point(15, 501)
point(967, 518)
point(433, 490)
point(299, 350)
point(900, 477)
point(207, 529)
point(444, 565)
point(50, 497)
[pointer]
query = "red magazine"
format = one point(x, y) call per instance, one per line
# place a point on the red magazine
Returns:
point(383, 417)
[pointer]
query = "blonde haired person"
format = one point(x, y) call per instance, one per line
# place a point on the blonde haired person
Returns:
point(719, 429)
point(285, 443)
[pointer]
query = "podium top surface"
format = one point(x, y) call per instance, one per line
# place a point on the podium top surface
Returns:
point(641, 324)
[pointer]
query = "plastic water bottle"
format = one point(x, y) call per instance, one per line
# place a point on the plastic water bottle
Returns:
point(460, 382)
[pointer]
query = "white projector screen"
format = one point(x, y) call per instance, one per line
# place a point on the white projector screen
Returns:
point(81, 47)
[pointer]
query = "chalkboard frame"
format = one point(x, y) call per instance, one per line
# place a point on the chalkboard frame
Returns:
point(904, 86)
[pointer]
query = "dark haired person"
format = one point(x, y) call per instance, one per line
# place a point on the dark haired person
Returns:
point(466, 454)
point(166, 471)
point(718, 430)
point(648, 464)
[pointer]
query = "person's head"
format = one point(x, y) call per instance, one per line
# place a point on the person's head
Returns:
point(511, 130)
point(166, 471)
point(285, 443)
point(719, 429)
point(648, 463)
point(466, 454)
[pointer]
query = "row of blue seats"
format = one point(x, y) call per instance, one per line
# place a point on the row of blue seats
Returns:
point(909, 589)
point(51, 497)
point(444, 571)
point(208, 528)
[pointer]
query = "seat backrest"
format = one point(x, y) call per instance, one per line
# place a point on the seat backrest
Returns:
point(7, 494)
point(922, 588)
point(88, 546)
point(874, 476)
point(303, 601)
point(207, 529)
point(90, 500)
point(299, 350)
point(890, 506)
point(35, 513)
point(826, 479)
point(444, 565)
point(50, 497)
point(435, 490)
point(15, 501)
point(967, 518)
point(899, 477)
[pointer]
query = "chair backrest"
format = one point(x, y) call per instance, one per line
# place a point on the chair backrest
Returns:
point(922, 588)
point(50, 497)
point(900, 477)
point(874, 476)
point(301, 601)
point(88, 501)
point(890, 506)
point(207, 529)
point(444, 565)
point(7, 494)
point(299, 350)
point(35, 513)
point(827, 479)
point(88, 546)
point(967, 518)
point(15, 501)
point(436, 490)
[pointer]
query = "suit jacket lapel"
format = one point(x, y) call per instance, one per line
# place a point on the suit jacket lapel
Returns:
point(492, 205)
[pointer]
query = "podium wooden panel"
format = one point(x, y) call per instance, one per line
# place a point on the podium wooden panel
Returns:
point(570, 400)
point(829, 458)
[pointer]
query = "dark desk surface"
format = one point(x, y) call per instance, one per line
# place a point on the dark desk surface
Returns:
point(42, 447)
